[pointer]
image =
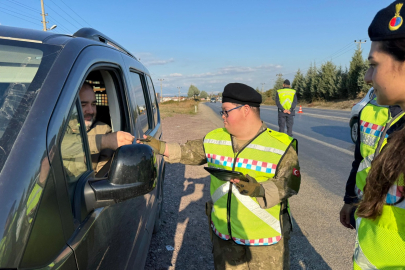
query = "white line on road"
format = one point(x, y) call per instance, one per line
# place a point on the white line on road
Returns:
point(317, 115)
point(317, 141)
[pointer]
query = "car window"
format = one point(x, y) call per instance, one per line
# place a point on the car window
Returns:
point(138, 94)
point(153, 99)
point(72, 151)
point(23, 69)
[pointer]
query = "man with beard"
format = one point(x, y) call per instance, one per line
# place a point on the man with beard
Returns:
point(102, 142)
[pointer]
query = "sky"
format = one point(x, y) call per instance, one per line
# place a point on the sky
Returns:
point(212, 43)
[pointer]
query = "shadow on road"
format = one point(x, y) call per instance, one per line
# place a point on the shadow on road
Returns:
point(302, 253)
point(336, 132)
point(185, 228)
point(185, 225)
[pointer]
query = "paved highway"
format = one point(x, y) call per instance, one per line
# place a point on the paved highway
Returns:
point(319, 241)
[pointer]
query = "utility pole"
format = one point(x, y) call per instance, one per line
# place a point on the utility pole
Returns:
point(262, 85)
point(359, 42)
point(44, 22)
point(179, 87)
point(161, 91)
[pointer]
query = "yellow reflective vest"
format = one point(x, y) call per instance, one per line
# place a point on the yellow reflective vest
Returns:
point(236, 216)
point(374, 122)
point(380, 243)
point(286, 96)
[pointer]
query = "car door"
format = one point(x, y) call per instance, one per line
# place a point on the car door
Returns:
point(147, 122)
point(106, 237)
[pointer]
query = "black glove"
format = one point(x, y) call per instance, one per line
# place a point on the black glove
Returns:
point(251, 188)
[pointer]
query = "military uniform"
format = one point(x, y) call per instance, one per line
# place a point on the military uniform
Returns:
point(287, 103)
point(73, 153)
point(228, 254)
point(380, 242)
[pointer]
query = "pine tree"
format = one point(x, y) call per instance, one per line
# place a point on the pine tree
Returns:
point(341, 83)
point(278, 85)
point(299, 84)
point(311, 81)
point(326, 87)
point(357, 70)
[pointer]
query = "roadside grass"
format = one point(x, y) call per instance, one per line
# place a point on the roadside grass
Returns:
point(171, 108)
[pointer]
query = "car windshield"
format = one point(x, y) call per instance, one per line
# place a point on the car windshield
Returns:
point(23, 68)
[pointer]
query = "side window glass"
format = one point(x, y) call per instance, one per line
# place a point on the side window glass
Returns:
point(72, 150)
point(152, 96)
point(138, 95)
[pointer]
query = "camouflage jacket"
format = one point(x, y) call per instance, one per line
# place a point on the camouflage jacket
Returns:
point(72, 148)
point(282, 186)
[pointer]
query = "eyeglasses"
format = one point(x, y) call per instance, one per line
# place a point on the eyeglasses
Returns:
point(227, 112)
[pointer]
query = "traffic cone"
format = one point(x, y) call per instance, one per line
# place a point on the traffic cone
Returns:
point(300, 110)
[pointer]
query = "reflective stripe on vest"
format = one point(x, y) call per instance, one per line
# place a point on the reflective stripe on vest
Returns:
point(286, 97)
point(380, 242)
point(238, 216)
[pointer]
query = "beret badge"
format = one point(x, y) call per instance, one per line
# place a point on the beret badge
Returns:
point(397, 20)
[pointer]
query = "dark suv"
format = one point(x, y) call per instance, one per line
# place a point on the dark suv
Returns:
point(51, 216)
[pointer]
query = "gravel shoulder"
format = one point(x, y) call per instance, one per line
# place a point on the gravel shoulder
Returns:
point(186, 189)
point(317, 242)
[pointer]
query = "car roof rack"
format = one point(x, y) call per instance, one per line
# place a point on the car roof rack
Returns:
point(91, 33)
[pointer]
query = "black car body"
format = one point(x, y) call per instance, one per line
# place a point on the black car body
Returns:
point(51, 218)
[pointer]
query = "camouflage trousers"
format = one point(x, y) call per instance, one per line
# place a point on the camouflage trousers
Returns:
point(229, 255)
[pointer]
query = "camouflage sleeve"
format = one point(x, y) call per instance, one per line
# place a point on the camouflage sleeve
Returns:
point(190, 153)
point(285, 183)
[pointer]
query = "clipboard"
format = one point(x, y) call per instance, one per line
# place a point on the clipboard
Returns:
point(226, 175)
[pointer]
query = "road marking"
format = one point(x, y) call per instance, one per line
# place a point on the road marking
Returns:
point(318, 115)
point(317, 141)
point(312, 139)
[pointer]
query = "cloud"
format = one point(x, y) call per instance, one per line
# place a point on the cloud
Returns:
point(148, 59)
point(157, 62)
point(175, 75)
point(215, 80)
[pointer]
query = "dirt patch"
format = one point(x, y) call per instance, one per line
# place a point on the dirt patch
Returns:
point(183, 241)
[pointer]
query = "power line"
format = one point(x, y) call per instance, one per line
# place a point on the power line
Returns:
point(61, 16)
point(20, 14)
point(351, 48)
point(23, 5)
point(75, 13)
point(59, 24)
point(20, 17)
point(80, 25)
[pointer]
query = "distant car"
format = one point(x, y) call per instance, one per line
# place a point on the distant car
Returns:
point(213, 100)
point(220, 99)
point(55, 211)
point(354, 116)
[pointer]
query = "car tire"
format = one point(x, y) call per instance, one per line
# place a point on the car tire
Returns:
point(354, 130)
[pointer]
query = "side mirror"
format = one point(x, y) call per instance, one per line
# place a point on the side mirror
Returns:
point(132, 173)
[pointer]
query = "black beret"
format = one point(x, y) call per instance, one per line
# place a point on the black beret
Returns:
point(388, 23)
point(242, 94)
point(287, 82)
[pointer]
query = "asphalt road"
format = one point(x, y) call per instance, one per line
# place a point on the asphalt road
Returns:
point(325, 153)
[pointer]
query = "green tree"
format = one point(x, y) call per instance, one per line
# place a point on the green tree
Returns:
point(327, 88)
point(278, 85)
point(203, 94)
point(357, 70)
point(299, 84)
point(193, 91)
point(341, 83)
point(311, 81)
